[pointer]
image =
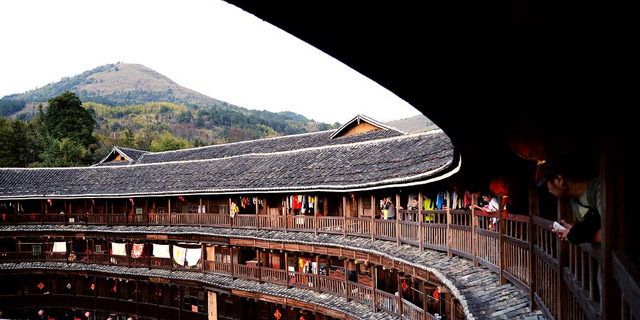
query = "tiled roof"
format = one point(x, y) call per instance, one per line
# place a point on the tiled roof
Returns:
point(349, 163)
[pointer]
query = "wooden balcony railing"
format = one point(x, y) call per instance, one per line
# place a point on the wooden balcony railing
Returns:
point(524, 252)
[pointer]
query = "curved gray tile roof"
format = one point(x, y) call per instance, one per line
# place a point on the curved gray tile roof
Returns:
point(278, 144)
point(370, 164)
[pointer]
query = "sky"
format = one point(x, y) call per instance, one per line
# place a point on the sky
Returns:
point(208, 46)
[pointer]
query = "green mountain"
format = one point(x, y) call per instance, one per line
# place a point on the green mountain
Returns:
point(120, 84)
point(134, 106)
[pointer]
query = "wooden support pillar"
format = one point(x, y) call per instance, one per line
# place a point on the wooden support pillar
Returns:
point(344, 216)
point(255, 202)
point(137, 300)
point(258, 264)
point(169, 207)
point(317, 274)
point(612, 217)
point(286, 269)
point(373, 219)
point(449, 235)
point(202, 257)
point(230, 212)
point(425, 304)
point(564, 212)
point(346, 278)
point(315, 216)
point(502, 225)
point(399, 287)
point(201, 210)
point(420, 222)
point(325, 206)
point(231, 261)
point(474, 228)
point(452, 306)
point(372, 273)
point(533, 212)
point(284, 215)
point(398, 219)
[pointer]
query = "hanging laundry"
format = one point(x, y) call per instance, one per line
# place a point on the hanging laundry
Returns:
point(136, 250)
point(179, 255)
point(297, 204)
point(234, 209)
point(439, 200)
point(161, 251)
point(193, 256)
point(454, 200)
point(59, 247)
point(118, 249)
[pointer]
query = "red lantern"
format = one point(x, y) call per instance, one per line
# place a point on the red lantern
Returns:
point(404, 285)
point(500, 186)
point(87, 314)
point(527, 147)
point(181, 199)
point(436, 295)
point(277, 314)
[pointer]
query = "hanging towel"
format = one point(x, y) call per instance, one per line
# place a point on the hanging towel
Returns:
point(179, 254)
point(59, 247)
point(136, 250)
point(161, 251)
point(118, 249)
point(193, 256)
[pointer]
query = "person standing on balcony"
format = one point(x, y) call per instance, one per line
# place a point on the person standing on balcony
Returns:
point(391, 209)
point(574, 178)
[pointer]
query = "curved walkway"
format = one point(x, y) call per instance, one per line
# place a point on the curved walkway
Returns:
point(476, 288)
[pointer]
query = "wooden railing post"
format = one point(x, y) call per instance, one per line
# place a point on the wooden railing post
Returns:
point(502, 225)
point(373, 218)
point(344, 216)
point(420, 221)
point(397, 219)
point(533, 211)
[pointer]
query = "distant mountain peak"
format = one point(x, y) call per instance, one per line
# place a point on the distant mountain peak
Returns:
point(121, 84)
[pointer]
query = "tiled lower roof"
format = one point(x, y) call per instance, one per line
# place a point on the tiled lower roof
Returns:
point(381, 163)
point(475, 287)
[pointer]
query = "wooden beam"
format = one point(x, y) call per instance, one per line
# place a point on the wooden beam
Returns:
point(346, 278)
point(286, 269)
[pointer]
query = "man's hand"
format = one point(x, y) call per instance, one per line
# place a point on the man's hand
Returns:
point(562, 234)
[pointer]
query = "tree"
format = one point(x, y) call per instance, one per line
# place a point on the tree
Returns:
point(67, 138)
point(166, 141)
point(66, 118)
